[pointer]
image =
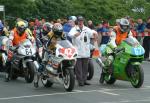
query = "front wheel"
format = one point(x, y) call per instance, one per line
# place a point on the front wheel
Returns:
point(137, 76)
point(29, 72)
point(69, 79)
point(107, 77)
point(47, 83)
point(111, 80)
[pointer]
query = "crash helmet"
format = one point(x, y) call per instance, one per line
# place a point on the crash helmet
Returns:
point(57, 29)
point(21, 27)
point(46, 28)
point(124, 25)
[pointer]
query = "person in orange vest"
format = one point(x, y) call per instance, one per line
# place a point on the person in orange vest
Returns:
point(119, 33)
point(19, 33)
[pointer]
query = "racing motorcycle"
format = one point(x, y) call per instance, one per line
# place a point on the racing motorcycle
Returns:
point(3, 52)
point(23, 62)
point(59, 67)
point(126, 65)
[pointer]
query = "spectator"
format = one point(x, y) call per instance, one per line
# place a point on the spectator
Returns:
point(90, 24)
point(59, 21)
point(140, 29)
point(64, 21)
point(67, 26)
point(133, 27)
point(43, 21)
point(99, 30)
point(105, 33)
point(146, 41)
point(117, 23)
point(81, 35)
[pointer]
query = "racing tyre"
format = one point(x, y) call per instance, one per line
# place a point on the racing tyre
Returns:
point(29, 73)
point(90, 70)
point(69, 79)
point(137, 76)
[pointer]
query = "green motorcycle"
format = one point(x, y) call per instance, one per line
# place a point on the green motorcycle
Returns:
point(126, 65)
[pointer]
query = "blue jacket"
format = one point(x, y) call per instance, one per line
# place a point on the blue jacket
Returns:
point(140, 28)
point(67, 27)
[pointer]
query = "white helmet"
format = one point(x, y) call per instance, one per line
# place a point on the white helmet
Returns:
point(124, 25)
point(74, 18)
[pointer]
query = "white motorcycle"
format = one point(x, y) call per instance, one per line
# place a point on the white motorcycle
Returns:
point(23, 62)
point(59, 67)
point(3, 52)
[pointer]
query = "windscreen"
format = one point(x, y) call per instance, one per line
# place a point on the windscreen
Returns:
point(65, 43)
point(132, 41)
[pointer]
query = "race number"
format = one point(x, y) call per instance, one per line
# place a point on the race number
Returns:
point(137, 51)
point(69, 52)
point(28, 51)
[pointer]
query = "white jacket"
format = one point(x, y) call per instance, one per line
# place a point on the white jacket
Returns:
point(82, 46)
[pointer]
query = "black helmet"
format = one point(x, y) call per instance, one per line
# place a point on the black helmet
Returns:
point(47, 27)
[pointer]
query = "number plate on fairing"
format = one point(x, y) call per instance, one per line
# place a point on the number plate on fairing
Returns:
point(28, 51)
point(137, 51)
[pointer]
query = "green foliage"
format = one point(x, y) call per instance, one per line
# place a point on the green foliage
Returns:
point(95, 10)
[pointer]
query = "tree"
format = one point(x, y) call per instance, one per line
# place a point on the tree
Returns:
point(19, 8)
point(90, 9)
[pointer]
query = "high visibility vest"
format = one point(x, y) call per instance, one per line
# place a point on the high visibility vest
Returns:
point(120, 36)
point(17, 38)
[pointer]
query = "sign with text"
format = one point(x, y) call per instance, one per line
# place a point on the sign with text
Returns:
point(1, 7)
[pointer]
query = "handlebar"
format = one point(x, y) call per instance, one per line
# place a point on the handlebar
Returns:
point(116, 51)
point(119, 50)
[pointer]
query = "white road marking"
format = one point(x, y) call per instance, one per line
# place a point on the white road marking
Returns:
point(103, 90)
point(129, 101)
point(77, 91)
point(110, 93)
point(147, 86)
point(41, 95)
point(111, 89)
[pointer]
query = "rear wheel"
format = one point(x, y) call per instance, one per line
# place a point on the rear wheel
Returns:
point(90, 70)
point(29, 73)
point(137, 76)
point(69, 79)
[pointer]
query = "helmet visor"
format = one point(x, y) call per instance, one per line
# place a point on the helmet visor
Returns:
point(125, 28)
point(58, 33)
point(21, 29)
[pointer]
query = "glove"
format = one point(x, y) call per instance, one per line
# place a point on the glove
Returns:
point(111, 46)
